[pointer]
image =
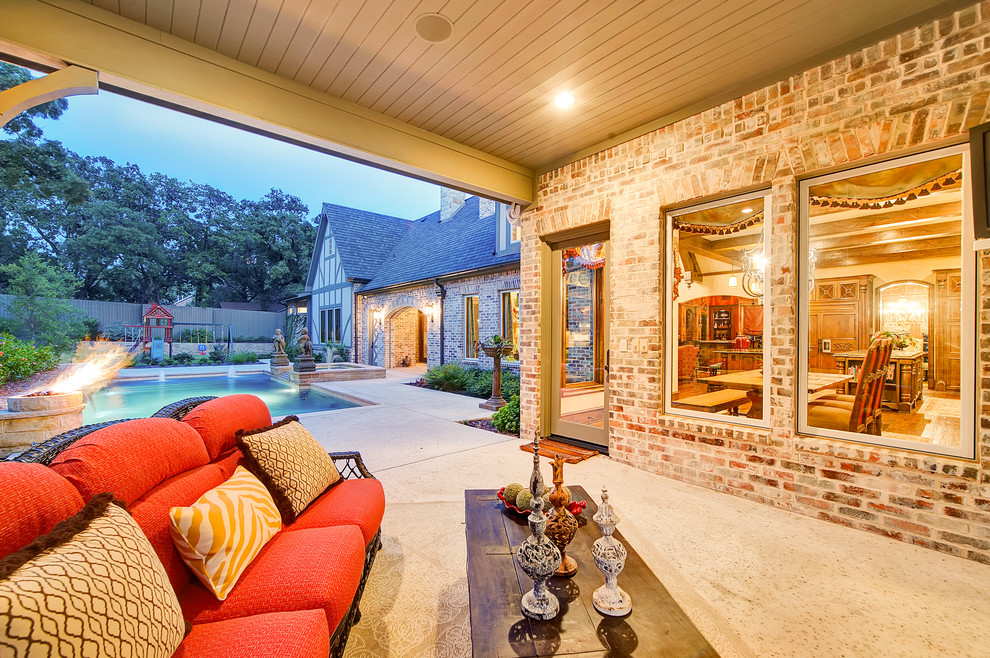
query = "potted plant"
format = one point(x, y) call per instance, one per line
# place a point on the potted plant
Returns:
point(495, 347)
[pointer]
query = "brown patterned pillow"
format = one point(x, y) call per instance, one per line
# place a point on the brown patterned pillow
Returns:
point(290, 462)
point(92, 587)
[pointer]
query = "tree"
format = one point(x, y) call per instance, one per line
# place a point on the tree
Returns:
point(39, 312)
point(270, 244)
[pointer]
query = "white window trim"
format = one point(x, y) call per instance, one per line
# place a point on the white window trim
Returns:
point(671, 320)
point(967, 393)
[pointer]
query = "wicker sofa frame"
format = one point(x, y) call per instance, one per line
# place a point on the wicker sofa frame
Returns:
point(350, 465)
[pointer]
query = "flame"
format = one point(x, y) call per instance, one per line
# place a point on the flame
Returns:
point(95, 364)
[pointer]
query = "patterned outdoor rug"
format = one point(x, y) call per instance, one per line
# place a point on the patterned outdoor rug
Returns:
point(550, 449)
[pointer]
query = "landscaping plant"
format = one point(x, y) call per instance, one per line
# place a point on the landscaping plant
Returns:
point(20, 360)
point(448, 377)
point(244, 357)
point(506, 419)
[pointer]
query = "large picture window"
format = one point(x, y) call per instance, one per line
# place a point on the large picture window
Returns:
point(716, 312)
point(471, 327)
point(887, 318)
point(510, 320)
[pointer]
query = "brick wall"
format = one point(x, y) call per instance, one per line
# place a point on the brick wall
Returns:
point(488, 288)
point(923, 88)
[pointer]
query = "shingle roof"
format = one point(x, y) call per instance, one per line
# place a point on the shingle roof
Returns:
point(364, 239)
point(431, 248)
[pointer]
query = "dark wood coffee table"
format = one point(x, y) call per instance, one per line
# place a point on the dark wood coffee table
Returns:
point(656, 626)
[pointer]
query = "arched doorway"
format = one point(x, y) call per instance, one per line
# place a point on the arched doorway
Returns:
point(405, 337)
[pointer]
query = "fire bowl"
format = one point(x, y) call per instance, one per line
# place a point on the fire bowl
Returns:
point(45, 402)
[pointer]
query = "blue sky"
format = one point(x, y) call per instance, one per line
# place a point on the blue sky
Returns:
point(240, 163)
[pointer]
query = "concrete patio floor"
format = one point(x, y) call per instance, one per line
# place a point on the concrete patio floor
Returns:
point(756, 581)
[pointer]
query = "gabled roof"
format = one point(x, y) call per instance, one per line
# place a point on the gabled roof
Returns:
point(431, 249)
point(363, 239)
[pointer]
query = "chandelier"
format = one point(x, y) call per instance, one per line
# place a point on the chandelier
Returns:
point(754, 265)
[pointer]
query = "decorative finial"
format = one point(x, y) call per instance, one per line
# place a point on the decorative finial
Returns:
point(610, 558)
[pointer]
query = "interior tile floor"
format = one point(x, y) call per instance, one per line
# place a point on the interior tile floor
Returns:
point(757, 581)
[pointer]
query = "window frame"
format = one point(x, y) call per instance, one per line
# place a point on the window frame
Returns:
point(508, 334)
point(470, 345)
point(326, 324)
point(672, 321)
point(969, 409)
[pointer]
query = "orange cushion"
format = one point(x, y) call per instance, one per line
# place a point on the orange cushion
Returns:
point(35, 498)
point(302, 634)
point(151, 512)
point(128, 459)
point(359, 502)
point(302, 570)
point(217, 421)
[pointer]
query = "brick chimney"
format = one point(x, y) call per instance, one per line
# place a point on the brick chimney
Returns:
point(450, 202)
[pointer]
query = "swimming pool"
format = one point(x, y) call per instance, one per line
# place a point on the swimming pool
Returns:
point(140, 399)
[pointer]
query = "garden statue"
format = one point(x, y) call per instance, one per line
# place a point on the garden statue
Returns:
point(279, 358)
point(278, 342)
point(304, 361)
point(305, 344)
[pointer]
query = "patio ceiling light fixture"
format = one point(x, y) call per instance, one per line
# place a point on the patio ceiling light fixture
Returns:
point(563, 100)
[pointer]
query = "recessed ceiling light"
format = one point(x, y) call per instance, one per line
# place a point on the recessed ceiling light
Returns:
point(747, 210)
point(563, 100)
point(434, 28)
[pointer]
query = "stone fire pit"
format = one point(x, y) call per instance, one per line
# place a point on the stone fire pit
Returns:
point(33, 418)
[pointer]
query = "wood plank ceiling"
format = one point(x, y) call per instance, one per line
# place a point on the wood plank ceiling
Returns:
point(491, 85)
point(928, 227)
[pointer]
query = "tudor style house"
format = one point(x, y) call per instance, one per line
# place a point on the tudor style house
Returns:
point(398, 292)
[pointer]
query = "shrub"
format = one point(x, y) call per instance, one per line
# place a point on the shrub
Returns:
point(337, 352)
point(506, 419)
point(20, 360)
point(91, 327)
point(448, 377)
point(480, 385)
point(184, 358)
point(113, 331)
point(244, 357)
point(219, 354)
point(510, 384)
point(319, 357)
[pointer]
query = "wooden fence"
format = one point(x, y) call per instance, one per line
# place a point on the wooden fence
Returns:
point(242, 323)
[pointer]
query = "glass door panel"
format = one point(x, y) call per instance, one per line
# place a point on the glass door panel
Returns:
point(580, 304)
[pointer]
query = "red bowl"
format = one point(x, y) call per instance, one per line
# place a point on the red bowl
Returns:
point(575, 508)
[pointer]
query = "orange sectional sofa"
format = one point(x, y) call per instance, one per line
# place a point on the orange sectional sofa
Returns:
point(298, 597)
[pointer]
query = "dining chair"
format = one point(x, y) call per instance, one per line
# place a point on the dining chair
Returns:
point(858, 413)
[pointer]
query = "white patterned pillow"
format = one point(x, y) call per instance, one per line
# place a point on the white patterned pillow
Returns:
point(92, 587)
point(290, 462)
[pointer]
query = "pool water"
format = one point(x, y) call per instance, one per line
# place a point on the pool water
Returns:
point(140, 399)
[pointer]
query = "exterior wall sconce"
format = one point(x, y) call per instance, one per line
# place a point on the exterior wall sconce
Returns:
point(432, 311)
point(376, 316)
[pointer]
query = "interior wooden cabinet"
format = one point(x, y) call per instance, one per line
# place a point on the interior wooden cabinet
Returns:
point(947, 330)
point(840, 319)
